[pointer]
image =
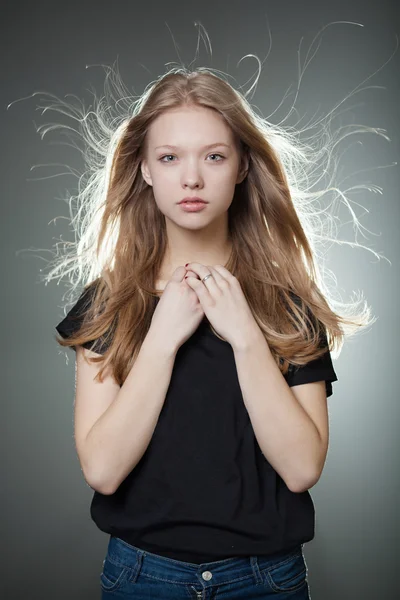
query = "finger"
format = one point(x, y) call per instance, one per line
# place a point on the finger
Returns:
point(191, 273)
point(200, 289)
point(203, 270)
point(215, 273)
point(179, 274)
point(224, 272)
point(199, 269)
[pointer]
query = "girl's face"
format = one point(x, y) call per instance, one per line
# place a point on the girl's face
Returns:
point(201, 160)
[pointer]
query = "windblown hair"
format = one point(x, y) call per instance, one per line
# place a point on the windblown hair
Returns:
point(275, 224)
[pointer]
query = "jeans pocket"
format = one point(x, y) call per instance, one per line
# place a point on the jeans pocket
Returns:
point(113, 575)
point(287, 576)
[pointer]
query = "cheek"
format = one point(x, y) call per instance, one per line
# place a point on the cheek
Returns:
point(227, 184)
point(227, 178)
point(164, 180)
point(166, 200)
point(164, 188)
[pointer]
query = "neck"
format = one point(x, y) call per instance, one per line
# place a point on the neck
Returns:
point(207, 246)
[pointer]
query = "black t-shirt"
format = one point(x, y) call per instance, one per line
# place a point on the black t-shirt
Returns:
point(203, 490)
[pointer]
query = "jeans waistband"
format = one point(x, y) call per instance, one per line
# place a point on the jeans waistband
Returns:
point(221, 571)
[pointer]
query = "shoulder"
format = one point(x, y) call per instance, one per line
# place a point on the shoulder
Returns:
point(73, 320)
point(311, 319)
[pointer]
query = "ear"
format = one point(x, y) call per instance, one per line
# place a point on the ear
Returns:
point(244, 168)
point(145, 172)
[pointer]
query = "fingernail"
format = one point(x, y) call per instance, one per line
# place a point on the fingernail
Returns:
point(186, 264)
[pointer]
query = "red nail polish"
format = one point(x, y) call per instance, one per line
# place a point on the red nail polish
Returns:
point(186, 264)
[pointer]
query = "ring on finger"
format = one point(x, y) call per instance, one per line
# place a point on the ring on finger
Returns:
point(206, 277)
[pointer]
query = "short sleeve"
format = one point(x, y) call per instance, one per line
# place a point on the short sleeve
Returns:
point(320, 369)
point(73, 320)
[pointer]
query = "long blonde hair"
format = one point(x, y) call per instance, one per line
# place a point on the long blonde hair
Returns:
point(274, 228)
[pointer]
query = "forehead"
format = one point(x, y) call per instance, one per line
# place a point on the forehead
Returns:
point(189, 127)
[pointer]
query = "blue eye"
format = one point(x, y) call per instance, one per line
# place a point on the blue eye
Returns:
point(167, 155)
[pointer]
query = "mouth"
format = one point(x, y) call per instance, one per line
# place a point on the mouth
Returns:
point(193, 201)
point(193, 205)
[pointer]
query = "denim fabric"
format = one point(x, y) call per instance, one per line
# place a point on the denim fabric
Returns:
point(131, 573)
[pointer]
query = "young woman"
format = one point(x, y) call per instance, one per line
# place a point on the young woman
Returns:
point(202, 358)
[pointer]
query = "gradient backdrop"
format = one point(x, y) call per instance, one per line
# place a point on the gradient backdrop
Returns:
point(51, 548)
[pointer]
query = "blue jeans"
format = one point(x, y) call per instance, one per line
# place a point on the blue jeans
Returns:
point(131, 573)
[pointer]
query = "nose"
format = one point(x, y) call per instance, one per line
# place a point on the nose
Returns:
point(191, 176)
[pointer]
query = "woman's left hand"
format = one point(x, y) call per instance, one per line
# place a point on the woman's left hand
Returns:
point(224, 304)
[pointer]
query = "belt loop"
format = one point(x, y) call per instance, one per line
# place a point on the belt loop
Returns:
point(135, 570)
point(256, 571)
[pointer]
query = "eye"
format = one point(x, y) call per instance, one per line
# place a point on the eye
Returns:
point(168, 155)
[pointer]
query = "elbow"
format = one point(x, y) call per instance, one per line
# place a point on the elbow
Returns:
point(303, 484)
point(299, 489)
point(104, 490)
point(100, 485)
point(305, 481)
point(97, 478)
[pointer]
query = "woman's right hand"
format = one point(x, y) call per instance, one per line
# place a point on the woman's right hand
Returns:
point(178, 312)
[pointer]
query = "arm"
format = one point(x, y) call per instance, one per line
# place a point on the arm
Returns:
point(285, 433)
point(119, 438)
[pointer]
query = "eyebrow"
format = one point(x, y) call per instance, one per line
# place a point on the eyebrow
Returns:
point(204, 147)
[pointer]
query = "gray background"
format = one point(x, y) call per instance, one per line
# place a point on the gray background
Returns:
point(51, 548)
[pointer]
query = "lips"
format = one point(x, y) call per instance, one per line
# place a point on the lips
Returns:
point(193, 206)
point(188, 200)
